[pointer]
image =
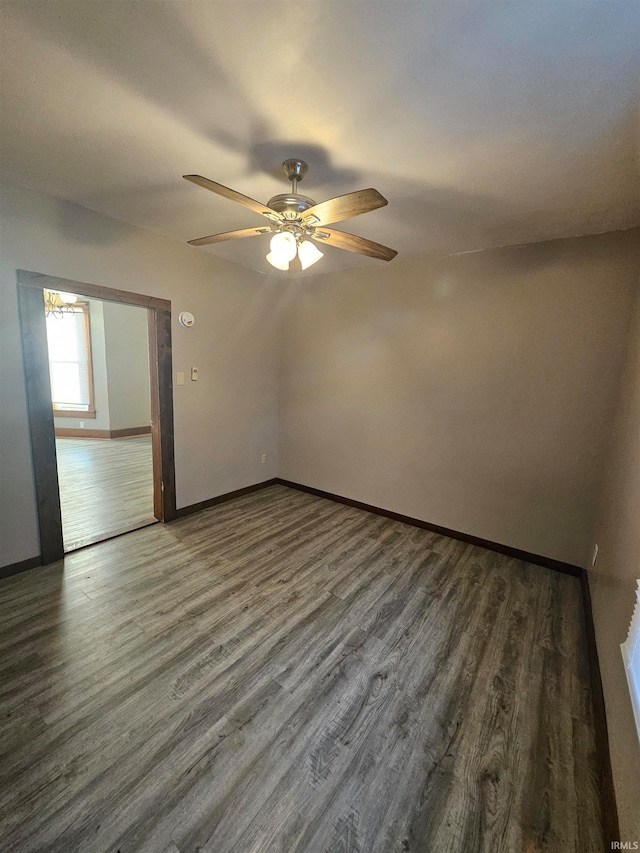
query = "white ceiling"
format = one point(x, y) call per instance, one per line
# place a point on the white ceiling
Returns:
point(483, 123)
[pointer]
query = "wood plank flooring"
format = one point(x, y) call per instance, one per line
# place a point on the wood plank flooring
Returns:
point(289, 675)
point(106, 487)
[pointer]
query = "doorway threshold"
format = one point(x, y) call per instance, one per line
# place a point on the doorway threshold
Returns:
point(85, 541)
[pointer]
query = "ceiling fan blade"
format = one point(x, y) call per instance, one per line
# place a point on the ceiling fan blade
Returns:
point(344, 207)
point(351, 243)
point(228, 235)
point(232, 195)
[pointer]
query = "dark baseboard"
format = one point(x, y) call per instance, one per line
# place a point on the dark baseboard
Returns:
point(220, 499)
point(607, 791)
point(123, 433)
point(64, 432)
point(526, 556)
point(22, 566)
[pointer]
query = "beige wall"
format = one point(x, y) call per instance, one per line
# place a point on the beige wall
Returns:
point(613, 584)
point(223, 423)
point(474, 392)
point(127, 360)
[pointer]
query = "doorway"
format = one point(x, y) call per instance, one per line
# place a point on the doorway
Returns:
point(100, 394)
point(103, 462)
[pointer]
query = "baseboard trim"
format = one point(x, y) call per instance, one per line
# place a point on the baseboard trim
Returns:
point(64, 432)
point(526, 556)
point(220, 499)
point(124, 433)
point(21, 566)
point(608, 803)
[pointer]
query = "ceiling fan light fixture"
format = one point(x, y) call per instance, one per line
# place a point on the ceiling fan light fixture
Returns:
point(276, 262)
point(283, 247)
point(308, 254)
point(294, 217)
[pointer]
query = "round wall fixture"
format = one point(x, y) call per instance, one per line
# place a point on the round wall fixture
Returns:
point(187, 319)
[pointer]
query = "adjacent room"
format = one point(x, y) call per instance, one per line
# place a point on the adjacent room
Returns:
point(98, 354)
point(320, 449)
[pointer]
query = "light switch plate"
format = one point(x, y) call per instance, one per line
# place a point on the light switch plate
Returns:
point(179, 378)
point(194, 374)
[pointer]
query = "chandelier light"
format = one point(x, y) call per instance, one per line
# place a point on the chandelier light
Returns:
point(58, 302)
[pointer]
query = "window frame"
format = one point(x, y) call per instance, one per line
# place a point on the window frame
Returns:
point(90, 413)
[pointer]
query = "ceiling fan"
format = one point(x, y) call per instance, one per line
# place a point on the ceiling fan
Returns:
point(296, 220)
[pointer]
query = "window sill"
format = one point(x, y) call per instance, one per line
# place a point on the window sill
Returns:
point(66, 413)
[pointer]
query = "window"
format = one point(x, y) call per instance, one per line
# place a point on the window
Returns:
point(69, 345)
point(631, 656)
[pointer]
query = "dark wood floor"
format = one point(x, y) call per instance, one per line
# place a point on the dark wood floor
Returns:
point(282, 673)
point(106, 487)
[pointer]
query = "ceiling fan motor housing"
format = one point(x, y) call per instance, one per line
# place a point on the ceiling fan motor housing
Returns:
point(290, 205)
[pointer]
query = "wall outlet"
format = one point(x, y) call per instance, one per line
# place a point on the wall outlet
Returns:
point(264, 458)
point(81, 424)
point(594, 556)
point(179, 378)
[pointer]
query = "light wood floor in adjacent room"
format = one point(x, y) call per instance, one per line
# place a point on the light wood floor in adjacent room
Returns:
point(106, 486)
point(289, 675)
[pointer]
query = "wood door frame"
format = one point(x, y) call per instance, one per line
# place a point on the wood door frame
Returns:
point(40, 411)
